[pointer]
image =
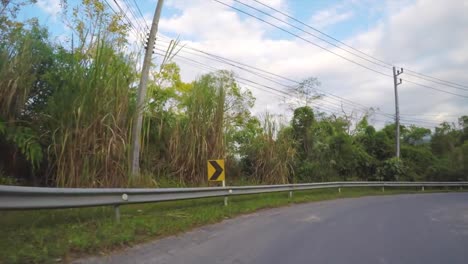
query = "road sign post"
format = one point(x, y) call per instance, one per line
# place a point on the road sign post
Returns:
point(216, 173)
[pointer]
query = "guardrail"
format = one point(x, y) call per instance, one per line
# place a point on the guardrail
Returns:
point(30, 198)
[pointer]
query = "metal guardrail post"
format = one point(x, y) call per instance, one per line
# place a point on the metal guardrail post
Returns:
point(117, 213)
point(290, 194)
point(422, 188)
point(225, 197)
point(339, 189)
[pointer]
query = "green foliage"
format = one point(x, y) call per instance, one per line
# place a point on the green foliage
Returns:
point(26, 55)
point(25, 139)
point(268, 153)
point(392, 169)
point(209, 117)
point(7, 180)
point(302, 121)
point(444, 139)
point(463, 123)
point(66, 114)
point(415, 135)
point(419, 160)
point(89, 115)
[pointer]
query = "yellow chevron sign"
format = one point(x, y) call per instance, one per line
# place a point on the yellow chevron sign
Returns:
point(216, 170)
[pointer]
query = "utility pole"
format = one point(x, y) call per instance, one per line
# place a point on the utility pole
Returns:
point(142, 91)
point(397, 109)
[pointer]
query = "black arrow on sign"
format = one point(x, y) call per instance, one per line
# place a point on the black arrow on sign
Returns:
point(218, 169)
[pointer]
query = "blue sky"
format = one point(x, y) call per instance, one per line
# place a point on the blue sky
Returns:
point(357, 16)
point(428, 36)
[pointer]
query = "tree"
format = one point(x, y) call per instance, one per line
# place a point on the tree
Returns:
point(444, 139)
point(25, 59)
point(306, 91)
point(415, 135)
point(302, 121)
point(463, 123)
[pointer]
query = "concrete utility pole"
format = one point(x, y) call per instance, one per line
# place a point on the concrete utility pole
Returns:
point(142, 91)
point(397, 109)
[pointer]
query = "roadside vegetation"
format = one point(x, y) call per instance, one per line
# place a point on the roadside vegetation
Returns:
point(66, 116)
point(67, 108)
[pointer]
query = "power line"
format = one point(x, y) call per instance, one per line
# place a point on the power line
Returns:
point(222, 60)
point(331, 109)
point(435, 89)
point(438, 81)
point(136, 31)
point(226, 60)
point(309, 33)
point(248, 82)
point(427, 76)
point(321, 32)
point(421, 120)
point(411, 72)
point(141, 14)
point(256, 85)
point(431, 115)
point(269, 79)
point(132, 12)
point(304, 39)
point(330, 51)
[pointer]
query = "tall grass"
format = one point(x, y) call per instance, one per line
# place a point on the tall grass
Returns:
point(24, 54)
point(198, 135)
point(272, 153)
point(89, 119)
point(17, 63)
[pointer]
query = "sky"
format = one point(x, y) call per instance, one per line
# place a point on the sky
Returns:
point(422, 36)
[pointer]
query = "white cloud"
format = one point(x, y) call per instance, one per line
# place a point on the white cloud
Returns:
point(328, 17)
point(206, 20)
point(50, 7)
point(426, 36)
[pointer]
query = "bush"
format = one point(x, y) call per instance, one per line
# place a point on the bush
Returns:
point(7, 180)
point(392, 169)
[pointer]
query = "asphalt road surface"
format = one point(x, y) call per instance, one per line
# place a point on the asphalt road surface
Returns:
point(422, 228)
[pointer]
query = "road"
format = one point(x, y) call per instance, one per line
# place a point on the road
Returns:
point(422, 228)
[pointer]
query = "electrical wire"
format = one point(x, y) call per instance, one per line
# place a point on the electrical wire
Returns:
point(304, 39)
point(295, 82)
point(135, 30)
point(412, 73)
point(384, 65)
point(330, 51)
point(255, 73)
point(279, 93)
point(131, 24)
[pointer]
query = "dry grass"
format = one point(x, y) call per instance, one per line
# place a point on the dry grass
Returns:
point(90, 116)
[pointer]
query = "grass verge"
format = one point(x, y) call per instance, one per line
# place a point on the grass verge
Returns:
point(51, 236)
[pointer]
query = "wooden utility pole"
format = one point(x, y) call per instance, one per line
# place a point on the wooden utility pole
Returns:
point(397, 109)
point(142, 91)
